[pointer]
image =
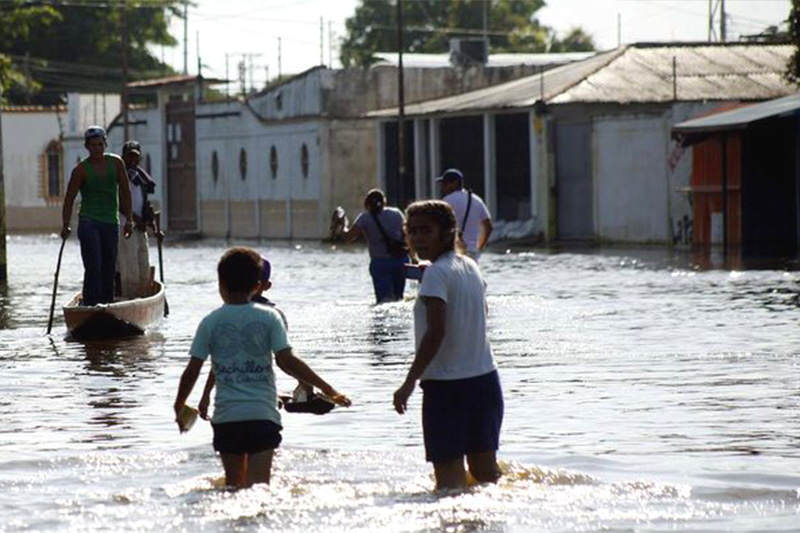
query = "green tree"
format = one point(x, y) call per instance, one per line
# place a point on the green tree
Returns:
point(430, 24)
point(16, 21)
point(77, 45)
point(793, 68)
point(576, 40)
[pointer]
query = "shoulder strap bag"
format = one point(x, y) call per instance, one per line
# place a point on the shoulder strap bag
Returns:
point(395, 248)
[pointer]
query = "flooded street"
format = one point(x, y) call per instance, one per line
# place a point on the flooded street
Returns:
point(641, 393)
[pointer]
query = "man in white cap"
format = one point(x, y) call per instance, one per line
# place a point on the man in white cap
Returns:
point(472, 216)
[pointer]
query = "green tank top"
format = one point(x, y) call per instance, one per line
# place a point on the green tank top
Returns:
point(99, 195)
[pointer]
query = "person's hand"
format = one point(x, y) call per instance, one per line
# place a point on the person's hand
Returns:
point(65, 231)
point(127, 229)
point(177, 408)
point(337, 397)
point(202, 407)
point(401, 396)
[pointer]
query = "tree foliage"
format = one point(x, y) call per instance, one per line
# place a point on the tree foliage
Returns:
point(430, 24)
point(48, 48)
point(793, 68)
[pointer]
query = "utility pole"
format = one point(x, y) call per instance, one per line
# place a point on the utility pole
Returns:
point(279, 59)
point(124, 22)
point(330, 44)
point(710, 20)
point(197, 45)
point(3, 270)
point(486, 23)
point(250, 70)
point(619, 30)
point(186, 37)
point(227, 78)
point(321, 41)
point(401, 163)
point(723, 29)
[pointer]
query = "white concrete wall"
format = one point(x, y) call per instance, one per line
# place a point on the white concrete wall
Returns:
point(636, 196)
point(25, 138)
point(300, 97)
point(90, 109)
point(228, 135)
point(145, 126)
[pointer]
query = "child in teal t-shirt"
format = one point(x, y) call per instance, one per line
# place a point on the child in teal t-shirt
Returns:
point(241, 337)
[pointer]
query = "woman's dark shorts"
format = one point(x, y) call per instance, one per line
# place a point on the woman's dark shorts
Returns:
point(247, 436)
point(461, 416)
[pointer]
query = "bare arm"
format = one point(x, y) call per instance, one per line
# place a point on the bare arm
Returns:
point(298, 369)
point(75, 183)
point(436, 311)
point(202, 407)
point(486, 230)
point(124, 189)
point(352, 234)
point(188, 379)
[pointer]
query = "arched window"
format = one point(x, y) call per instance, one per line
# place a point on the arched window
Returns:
point(304, 160)
point(273, 162)
point(52, 169)
point(214, 166)
point(243, 163)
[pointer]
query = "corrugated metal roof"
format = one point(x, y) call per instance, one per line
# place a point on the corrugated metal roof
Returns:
point(639, 73)
point(413, 60)
point(741, 117)
point(179, 79)
point(523, 92)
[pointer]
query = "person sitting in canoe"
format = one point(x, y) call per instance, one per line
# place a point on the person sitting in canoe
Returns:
point(241, 338)
point(133, 260)
point(303, 392)
point(103, 183)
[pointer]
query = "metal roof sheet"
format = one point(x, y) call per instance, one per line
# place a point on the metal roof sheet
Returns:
point(740, 117)
point(638, 73)
point(412, 60)
point(522, 92)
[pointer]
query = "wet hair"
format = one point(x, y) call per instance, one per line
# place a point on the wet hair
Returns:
point(239, 269)
point(374, 201)
point(443, 216)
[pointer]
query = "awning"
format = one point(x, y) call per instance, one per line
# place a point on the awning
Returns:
point(696, 130)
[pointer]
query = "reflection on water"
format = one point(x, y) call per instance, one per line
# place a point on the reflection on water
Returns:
point(643, 391)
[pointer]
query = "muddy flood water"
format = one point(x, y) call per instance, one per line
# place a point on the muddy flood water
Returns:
point(642, 393)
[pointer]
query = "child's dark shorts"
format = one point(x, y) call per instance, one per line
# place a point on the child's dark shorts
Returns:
point(246, 436)
point(461, 416)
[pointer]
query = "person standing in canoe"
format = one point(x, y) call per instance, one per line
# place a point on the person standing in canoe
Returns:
point(103, 183)
point(132, 254)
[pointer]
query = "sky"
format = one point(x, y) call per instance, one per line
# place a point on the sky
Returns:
point(238, 27)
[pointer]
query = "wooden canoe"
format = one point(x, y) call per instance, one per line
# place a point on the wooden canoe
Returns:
point(123, 318)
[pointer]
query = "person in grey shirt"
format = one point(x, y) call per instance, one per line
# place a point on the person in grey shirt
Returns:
point(383, 229)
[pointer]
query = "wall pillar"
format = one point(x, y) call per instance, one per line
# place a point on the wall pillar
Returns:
point(419, 159)
point(435, 159)
point(381, 159)
point(489, 163)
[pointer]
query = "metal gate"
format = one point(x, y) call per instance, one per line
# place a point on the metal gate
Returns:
point(575, 218)
point(181, 176)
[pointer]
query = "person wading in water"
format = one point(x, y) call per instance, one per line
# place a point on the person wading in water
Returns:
point(103, 184)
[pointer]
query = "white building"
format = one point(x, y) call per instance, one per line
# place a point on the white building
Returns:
point(35, 165)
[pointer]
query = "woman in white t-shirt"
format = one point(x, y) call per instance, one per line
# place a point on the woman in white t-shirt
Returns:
point(462, 403)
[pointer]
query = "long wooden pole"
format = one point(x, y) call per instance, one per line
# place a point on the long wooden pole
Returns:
point(3, 269)
point(55, 286)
